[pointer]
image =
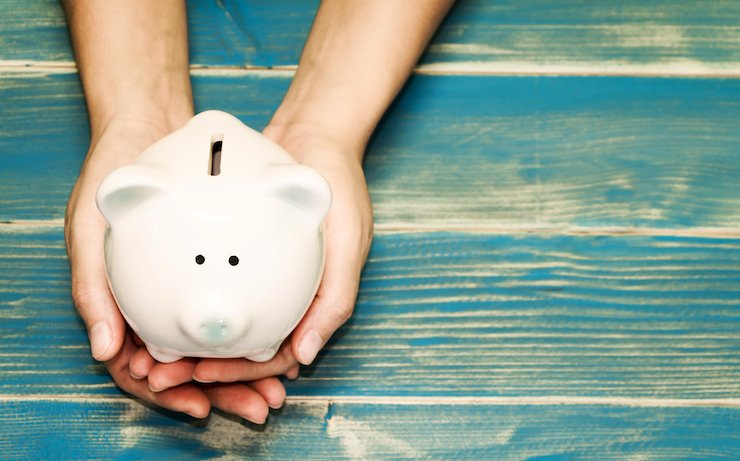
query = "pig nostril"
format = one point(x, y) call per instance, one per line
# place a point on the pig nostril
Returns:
point(214, 330)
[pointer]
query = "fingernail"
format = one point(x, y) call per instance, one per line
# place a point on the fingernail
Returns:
point(253, 421)
point(156, 387)
point(310, 347)
point(291, 375)
point(101, 338)
point(134, 375)
point(203, 380)
point(278, 405)
point(195, 413)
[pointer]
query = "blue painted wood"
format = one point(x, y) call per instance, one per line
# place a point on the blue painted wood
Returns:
point(321, 431)
point(462, 152)
point(594, 35)
point(453, 314)
point(440, 314)
point(507, 34)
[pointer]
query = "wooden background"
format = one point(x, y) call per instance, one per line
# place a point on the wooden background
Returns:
point(556, 270)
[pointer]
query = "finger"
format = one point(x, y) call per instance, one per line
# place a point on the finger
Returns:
point(166, 375)
point(333, 304)
point(239, 399)
point(141, 362)
point(98, 309)
point(271, 390)
point(186, 398)
point(232, 370)
point(293, 372)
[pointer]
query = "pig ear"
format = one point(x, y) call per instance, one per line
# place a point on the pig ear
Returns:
point(302, 187)
point(126, 188)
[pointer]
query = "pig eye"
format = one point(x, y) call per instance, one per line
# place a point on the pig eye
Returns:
point(200, 259)
point(233, 260)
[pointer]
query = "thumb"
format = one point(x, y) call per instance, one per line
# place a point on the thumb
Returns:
point(99, 311)
point(106, 327)
point(331, 308)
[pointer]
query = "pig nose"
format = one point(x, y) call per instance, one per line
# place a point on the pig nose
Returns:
point(216, 331)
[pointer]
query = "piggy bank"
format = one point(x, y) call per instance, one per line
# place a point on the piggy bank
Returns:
point(214, 246)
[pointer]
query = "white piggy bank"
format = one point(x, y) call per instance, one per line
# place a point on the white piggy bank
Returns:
point(214, 245)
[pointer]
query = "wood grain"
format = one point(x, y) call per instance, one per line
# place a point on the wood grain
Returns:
point(505, 311)
point(123, 429)
point(454, 314)
point(457, 152)
point(504, 36)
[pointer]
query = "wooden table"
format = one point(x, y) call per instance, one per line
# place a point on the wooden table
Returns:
point(556, 267)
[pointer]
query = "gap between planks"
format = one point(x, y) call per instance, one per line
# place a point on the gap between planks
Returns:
point(390, 228)
point(645, 402)
point(668, 69)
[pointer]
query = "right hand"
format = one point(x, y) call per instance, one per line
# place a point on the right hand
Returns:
point(111, 340)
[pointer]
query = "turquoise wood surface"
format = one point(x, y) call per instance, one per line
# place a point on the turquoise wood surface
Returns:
point(122, 429)
point(458, 151)
point(455, 314)
point(556, 270)
point(686, 36)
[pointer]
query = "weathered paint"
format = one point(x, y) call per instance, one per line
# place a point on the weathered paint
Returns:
point(582, 308)
point(326, 431)
point(457, 152)
point(504, 36)
point(454, 314)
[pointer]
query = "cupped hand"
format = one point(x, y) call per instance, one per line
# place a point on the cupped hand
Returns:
point(111, 340)
point(348, 230)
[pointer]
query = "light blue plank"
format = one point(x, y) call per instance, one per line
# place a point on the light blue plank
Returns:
point(571, 34)
point(317, 431)
point(263, 33)
point(508, 34)
point(222, 33)
point(463, 152)
point(454, 314)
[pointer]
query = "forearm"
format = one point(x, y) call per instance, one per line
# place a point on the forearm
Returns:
point(357, 57)
point(132, 56)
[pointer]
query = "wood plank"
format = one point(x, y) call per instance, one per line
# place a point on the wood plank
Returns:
point(454, 314)
point(508, 35)
point(455, 151)
point(125, 429)
point(570, 36)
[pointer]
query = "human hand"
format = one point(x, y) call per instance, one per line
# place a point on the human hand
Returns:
point(111, 341)
point(348, 230)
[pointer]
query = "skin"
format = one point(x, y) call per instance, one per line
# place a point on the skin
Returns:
point(133, 61)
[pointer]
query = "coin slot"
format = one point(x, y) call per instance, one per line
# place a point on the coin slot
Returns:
point(217, 143)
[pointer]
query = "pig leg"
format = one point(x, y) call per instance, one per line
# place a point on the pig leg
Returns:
point(263, 355)
point(162, 356)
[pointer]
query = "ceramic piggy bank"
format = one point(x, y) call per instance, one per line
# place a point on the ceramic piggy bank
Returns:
point(214, 245)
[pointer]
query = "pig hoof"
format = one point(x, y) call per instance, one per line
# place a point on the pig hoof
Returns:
point(163, 357)
point(262, 355)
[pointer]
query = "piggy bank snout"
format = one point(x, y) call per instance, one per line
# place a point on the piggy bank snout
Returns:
point(215, 330)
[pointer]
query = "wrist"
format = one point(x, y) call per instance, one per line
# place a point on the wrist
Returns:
point(126, 134)
point(304, 138)
point(161, 108)
point(132, 59)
